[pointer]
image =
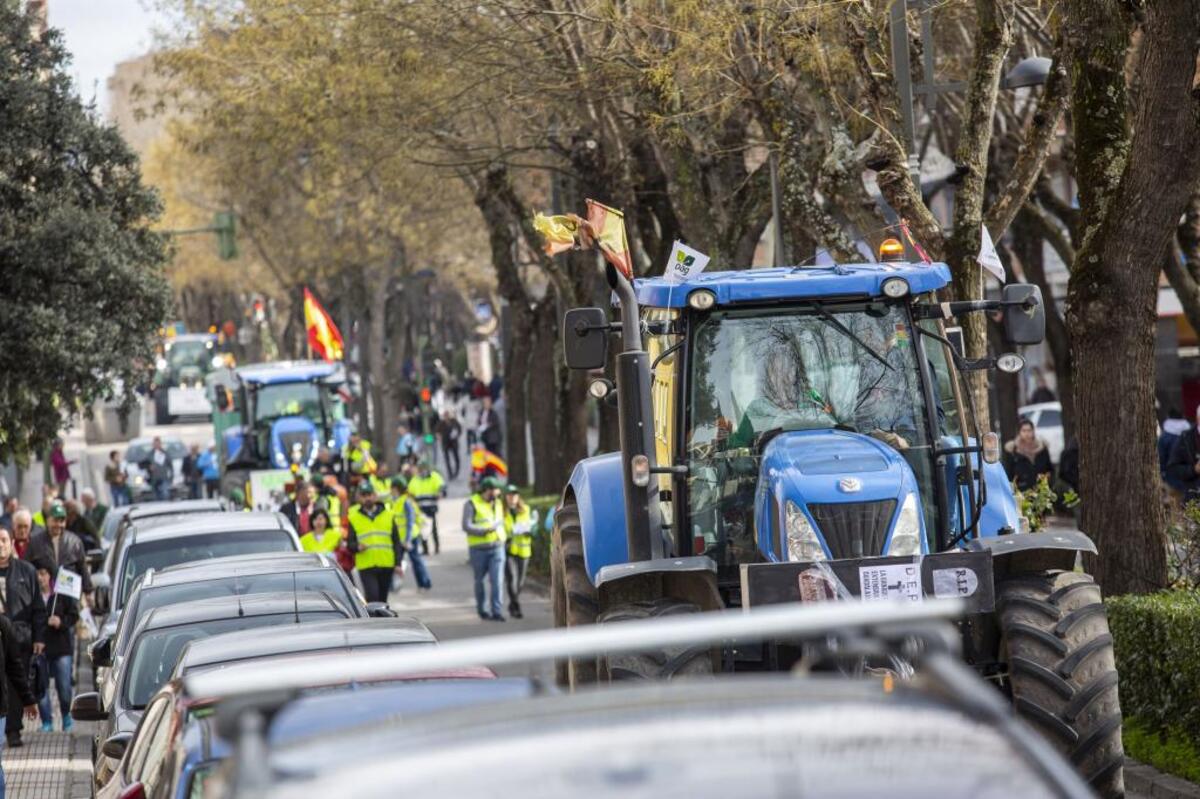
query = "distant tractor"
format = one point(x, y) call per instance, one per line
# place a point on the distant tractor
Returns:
point(806, 434)
point(272, 419)
point(186, 360)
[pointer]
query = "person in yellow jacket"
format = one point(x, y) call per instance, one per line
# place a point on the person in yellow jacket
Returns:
point(426, 487)
point(410, 521)
point(483, 522)
point(357, 456)
point(375, 542)
point(322, 535)
point(519, 521)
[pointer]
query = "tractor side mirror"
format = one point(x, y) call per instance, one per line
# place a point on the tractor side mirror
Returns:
point(585, 338)
point(222, 397)
point(1024, 314)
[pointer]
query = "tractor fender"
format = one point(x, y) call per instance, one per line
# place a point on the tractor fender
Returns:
point(1034, 552)
point(599, 490)
point(691, 579)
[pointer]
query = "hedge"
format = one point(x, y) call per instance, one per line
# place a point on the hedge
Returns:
point(539, 563)
point(1157, 643)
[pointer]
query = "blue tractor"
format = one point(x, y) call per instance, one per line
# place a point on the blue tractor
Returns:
point(807, 434)
point(272, 419)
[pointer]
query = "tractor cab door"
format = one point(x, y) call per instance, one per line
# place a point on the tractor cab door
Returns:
point(664, 398)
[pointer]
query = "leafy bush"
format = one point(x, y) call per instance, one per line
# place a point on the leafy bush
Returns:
point(1172, 751)
point(1183, 547)
point(1157, 643)
point(1036, 503)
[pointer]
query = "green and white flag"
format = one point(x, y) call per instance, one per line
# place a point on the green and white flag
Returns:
point(685, 263)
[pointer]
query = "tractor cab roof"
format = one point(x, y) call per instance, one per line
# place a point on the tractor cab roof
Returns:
point(265, 374)
point(782, 284)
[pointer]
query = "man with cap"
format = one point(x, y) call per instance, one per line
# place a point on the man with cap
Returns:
point(375, 542)
point(483, 522)
point(60, 546)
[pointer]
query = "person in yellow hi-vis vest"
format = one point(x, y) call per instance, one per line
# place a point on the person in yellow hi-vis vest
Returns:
point(409, 522)
point(426, 487)
point(322, 535)
point(375, 542)
point(483, 522)
point(519, 521)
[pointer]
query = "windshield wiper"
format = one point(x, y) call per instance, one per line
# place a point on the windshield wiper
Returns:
point(828, 317)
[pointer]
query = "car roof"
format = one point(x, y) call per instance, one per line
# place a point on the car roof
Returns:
point(229, 607)
point(287, 372)
point(856, 737)
point(792, 283)
point(313, 637)
point(233, 565)
point(146, 510)
point(210, 524)
point(1040, 406)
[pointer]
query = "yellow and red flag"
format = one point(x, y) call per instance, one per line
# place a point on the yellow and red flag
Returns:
point(607, 226)
point(558, 231)
point(323, 334)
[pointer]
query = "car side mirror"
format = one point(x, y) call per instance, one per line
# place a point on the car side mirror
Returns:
point(114, 746)
point(100, 599)
point(101, 652)
point(585, 338)
point(1024, 314)
point(380, 610)
point(87, 707)
point(95, 557)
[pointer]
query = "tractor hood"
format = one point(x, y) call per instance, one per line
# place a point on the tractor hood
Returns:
point(294, 439)
point(836, 494)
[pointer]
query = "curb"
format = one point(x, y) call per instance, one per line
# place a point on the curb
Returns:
point(1146, 780)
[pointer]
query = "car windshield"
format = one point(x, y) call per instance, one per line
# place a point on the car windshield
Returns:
point(181, 354)
point(759, 373)
point(184, 549)
point(156, 651)
point(288, 399)
point(140, 452)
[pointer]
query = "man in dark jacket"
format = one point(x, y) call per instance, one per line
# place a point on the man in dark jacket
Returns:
point(299, 510)
point(23, 606)
point(63, 612)
point(15, 687)
point(1183, 465)
point(60, 546)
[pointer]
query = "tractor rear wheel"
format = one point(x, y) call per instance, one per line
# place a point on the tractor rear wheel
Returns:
point(1062, 674)
point(665, 663)
point(575, 599)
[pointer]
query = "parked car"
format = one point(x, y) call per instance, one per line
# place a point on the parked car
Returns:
point(160, 637)
point(138, 453)
point(117, 519)
point(1047, 418)
point(257, 573)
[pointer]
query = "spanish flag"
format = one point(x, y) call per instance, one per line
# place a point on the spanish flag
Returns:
point(558, 231)
point(607, 226)
point(323, 334)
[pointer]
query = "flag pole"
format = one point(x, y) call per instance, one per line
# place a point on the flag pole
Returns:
point(304, 312)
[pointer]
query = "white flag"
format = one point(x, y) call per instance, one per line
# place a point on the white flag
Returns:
point(685, 263)
point(989, 259)
point(68, 583)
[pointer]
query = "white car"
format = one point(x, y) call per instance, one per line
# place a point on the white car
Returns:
point(1047, 418)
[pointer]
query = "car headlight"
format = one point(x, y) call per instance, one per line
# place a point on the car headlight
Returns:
point(138, 479)
point(802, 541)
point(906, 538)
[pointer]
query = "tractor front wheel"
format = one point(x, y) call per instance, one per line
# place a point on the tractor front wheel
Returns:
point(575, 600)
point(665, 663)
point(1062, 674)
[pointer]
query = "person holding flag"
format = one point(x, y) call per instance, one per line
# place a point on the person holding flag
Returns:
point(60, 644)
point(324, 338)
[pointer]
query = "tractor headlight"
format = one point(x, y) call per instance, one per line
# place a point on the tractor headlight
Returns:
point(802, 541)
point(906, 538)
point(895, 287)
point(702, 300)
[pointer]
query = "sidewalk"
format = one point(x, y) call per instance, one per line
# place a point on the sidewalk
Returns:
point(53, 765)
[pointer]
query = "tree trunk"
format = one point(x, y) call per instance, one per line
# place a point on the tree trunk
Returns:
point(1132, 189)
point(543, 419)
point(383, 432)
point(516, 381)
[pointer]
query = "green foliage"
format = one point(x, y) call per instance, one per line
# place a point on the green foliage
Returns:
point(1183, 547)
point(1037, 503)
point(1157, 643)
point(539, 562)
point(82, 273)
point(1172, 751)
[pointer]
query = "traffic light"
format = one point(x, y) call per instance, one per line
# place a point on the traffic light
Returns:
point(225, 226)
point(426, 395)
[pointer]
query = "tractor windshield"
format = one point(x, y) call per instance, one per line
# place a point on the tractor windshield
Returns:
point(813, 367)
point(288, 399)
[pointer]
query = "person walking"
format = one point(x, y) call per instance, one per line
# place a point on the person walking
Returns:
point(406, 445)
point(210, 471)
point(519, 521)
point(357, 457)
point(116, 478)
point(449, 431)
point(14, 689)
point(24, 608)
point(299, 509)
point(490, 434)
point(1026, 457)
point(60, 546)
point(193, 474)
point(483, 522)
point(22, 530)
point(93, 510)
point(62, 612)
point(160, 469)
point(60, 466)
point(1173, 427)
point(426, 487)
point(322, 536)
point(1183, 466)
point(409, 521)
point(378, 551)
point(79, 524)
